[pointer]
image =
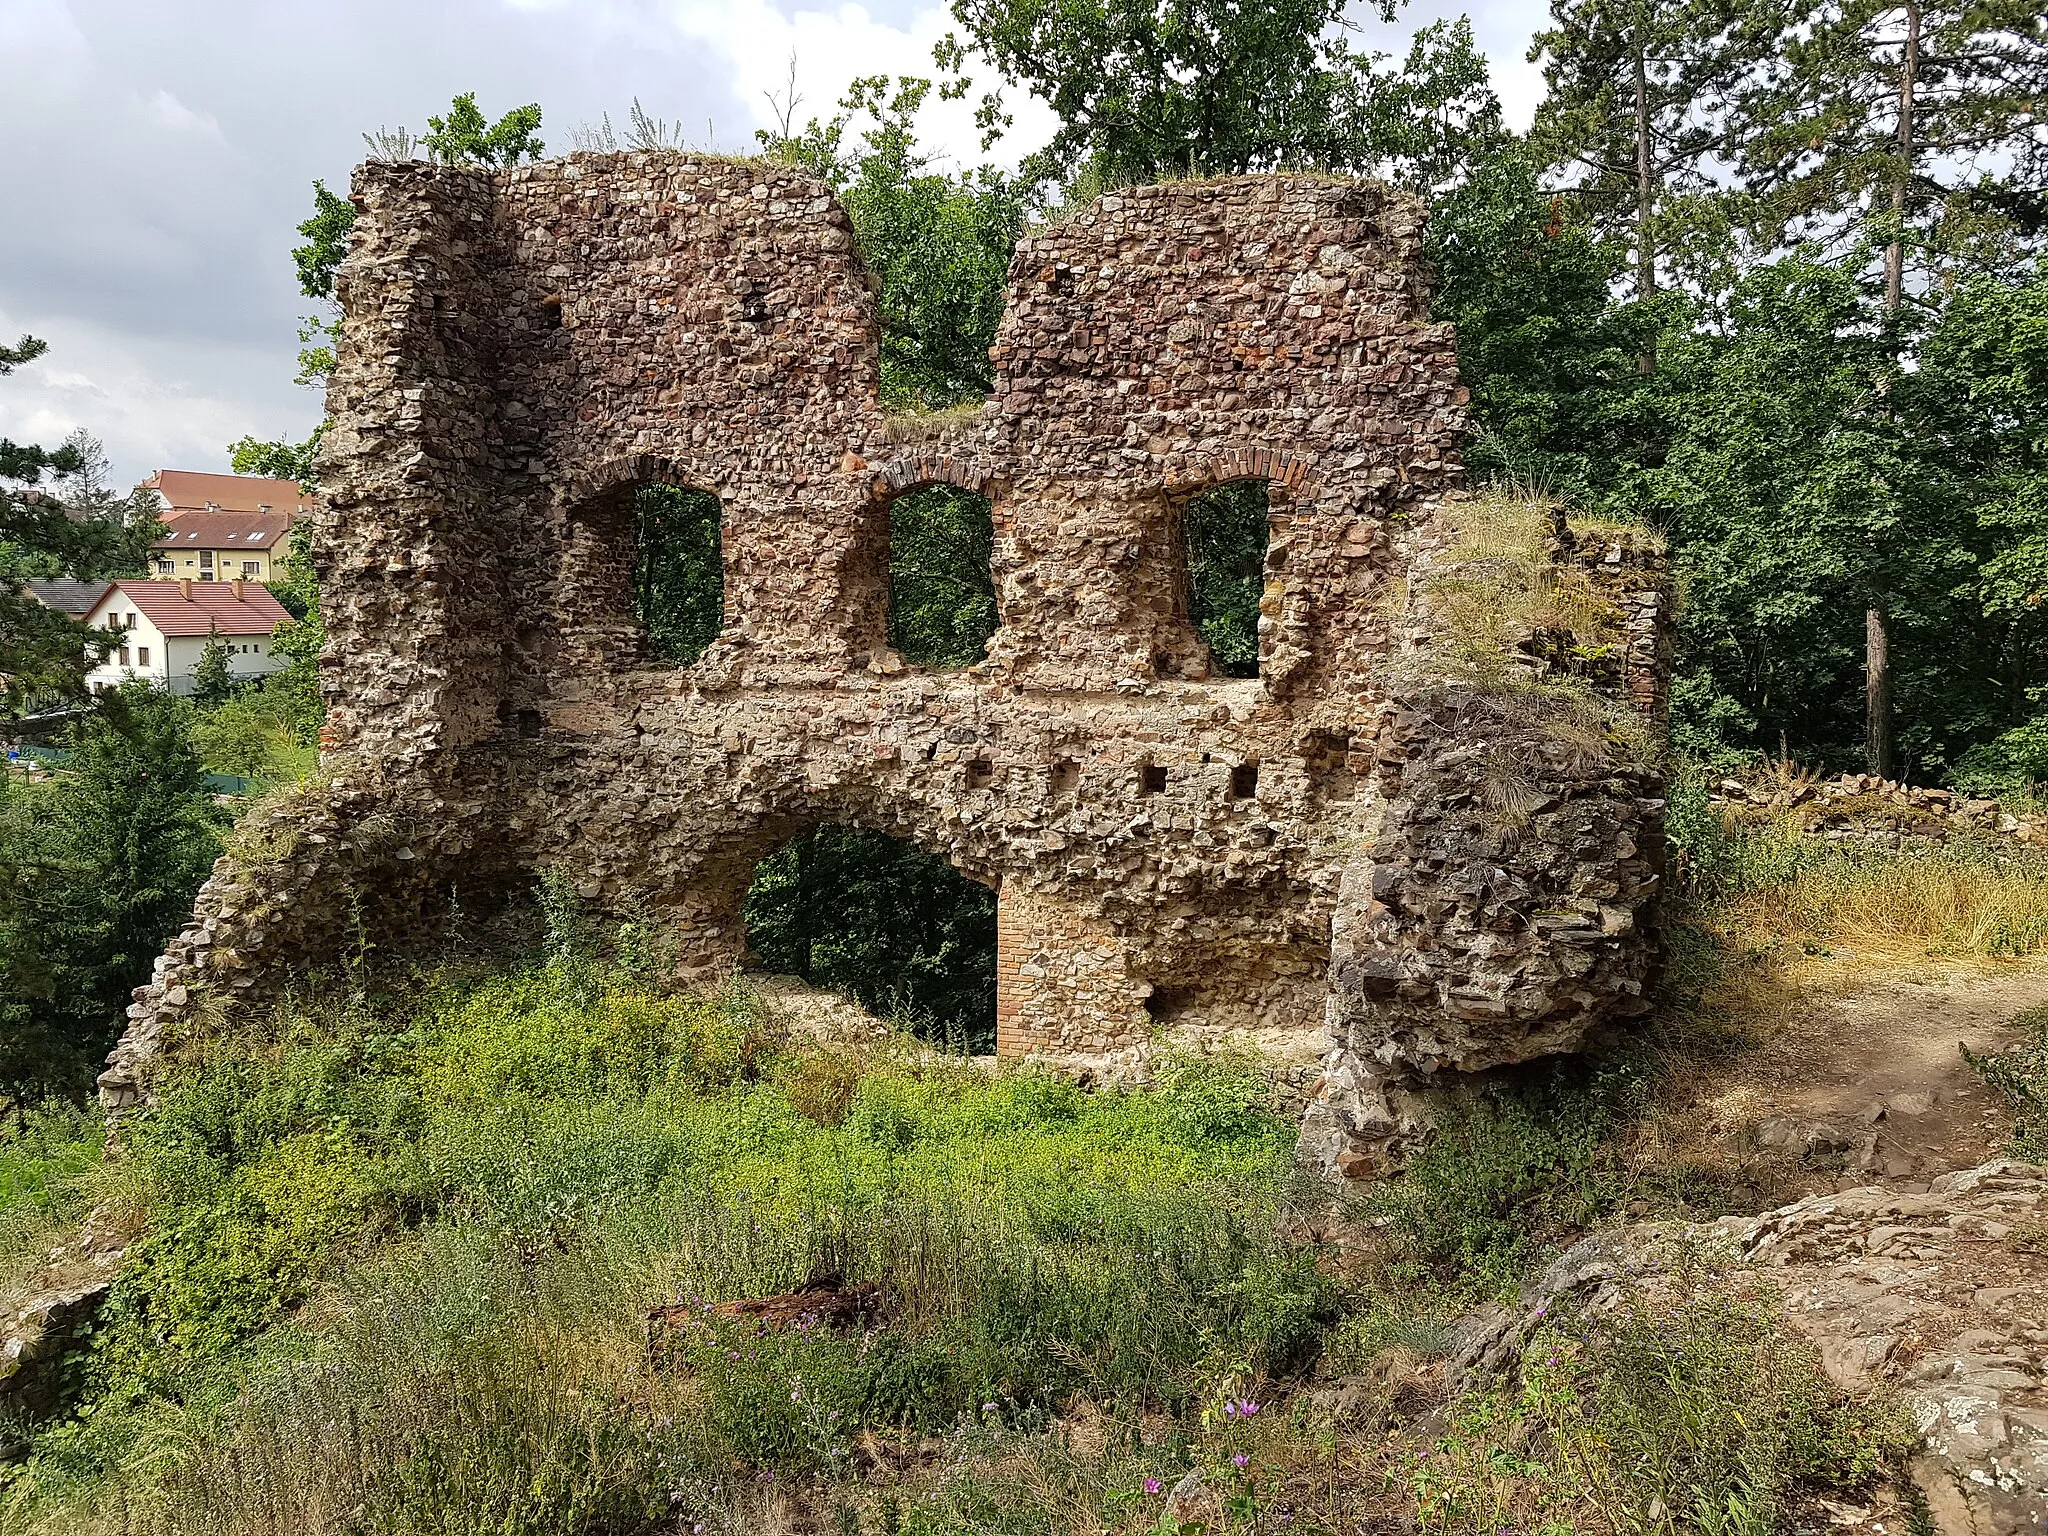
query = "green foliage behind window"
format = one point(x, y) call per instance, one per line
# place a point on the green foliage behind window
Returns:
point(679, 577)
point(1225, 531)
point(942, 597)
point(900, 932)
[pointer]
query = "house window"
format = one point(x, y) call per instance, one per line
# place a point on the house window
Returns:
point(166, 567)
point(124, 656)
point(251, 567)
point(206, 559)
point(142, 655)
point(206, 575)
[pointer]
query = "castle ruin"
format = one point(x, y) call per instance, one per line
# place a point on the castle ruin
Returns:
point(1316, 855)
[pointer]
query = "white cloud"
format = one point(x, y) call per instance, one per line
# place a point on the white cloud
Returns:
point(831, 48)
point(179, 118)
point(156, 402)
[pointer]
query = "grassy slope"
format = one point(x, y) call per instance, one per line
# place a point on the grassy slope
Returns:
point(400, 1251)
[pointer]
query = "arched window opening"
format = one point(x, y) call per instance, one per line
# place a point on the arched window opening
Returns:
point(678, 570)
point(942, 595)
point(871, 917)
point(1225, 530)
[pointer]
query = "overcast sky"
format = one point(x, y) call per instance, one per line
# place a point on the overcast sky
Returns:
point(155, 156)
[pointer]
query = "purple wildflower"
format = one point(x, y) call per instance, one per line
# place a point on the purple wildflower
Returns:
point(1151, 1485)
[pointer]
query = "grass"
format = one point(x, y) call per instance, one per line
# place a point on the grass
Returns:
point(47, 1154)
point(2020, 1075)
point(400, 1252)
point(919, 426)
point(1767, 883)
point(1686, 1408)
point(1500, 591)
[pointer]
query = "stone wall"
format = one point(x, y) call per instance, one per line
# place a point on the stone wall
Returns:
point(1862, 808)
point(521, 348)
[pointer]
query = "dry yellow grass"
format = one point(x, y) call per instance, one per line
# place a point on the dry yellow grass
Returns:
point(1501, 585)
point(1956, 902)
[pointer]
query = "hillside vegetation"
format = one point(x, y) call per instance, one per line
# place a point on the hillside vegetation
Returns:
point(394, 1256)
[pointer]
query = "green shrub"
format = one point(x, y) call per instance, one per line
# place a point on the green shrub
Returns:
point(1508, 1165)
point(2020, 1075)
point(1687, 1408)
point(47, 1151)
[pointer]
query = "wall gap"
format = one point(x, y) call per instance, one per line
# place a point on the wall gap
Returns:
point(1224, 534)
point(942, 593)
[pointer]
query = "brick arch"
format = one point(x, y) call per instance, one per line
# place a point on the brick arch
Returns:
point(595, 551)
point(633, 469)
point(915, 472)
point(1295, 471)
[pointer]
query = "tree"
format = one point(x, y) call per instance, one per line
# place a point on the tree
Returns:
point(213, 678)
point(1639, 97)
point(279, 460)
point(299, 640)
point(1920, 128)
point(939, 246)
point(1798, 496)
point(96, 872)
point(1558, 402)
point(1976, 404)
point(1151, 88)
point(679, 569)
point(901, 932)
point(42, 650)
point(1883, 127)
point(942, 595)
point(1437, 118)
point(466, 137)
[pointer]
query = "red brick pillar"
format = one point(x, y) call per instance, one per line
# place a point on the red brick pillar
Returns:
point(1014, 939)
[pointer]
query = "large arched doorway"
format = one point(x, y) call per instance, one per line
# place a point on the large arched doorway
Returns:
point(877, 919)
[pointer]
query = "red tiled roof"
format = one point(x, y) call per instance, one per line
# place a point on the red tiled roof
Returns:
point(191, 490)
point(224, 530)
point(212, 606)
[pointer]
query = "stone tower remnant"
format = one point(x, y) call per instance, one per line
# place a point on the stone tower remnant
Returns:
point(1313, 856)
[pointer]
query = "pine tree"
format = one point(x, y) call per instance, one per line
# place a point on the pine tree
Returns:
point(40, 649)
point(96, 872)
point(1639, 98)
point(1919, 127)
point(213, 677)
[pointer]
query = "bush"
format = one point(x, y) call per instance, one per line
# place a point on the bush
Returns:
point(1689, 1407)
point(2020, 1075)
point(1512, 1164)
point(46, 1153)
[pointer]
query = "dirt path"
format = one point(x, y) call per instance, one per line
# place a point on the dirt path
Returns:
point(1859, 1076)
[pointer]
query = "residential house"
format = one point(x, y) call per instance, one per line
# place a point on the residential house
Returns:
point(223, 526)
point(190, 490)
point(222, 546)
point(165, 625)
point(65, 595)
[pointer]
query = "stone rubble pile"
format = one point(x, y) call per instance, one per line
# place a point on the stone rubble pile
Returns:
point(1863, 808)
